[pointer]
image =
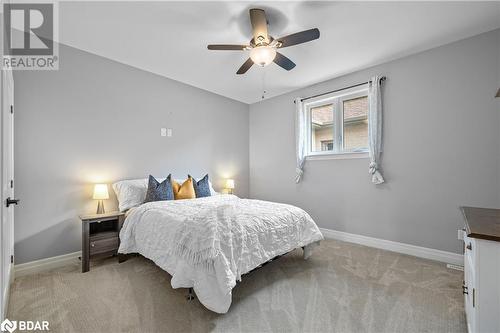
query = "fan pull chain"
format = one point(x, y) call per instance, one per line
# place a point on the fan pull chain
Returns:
point(264, 92)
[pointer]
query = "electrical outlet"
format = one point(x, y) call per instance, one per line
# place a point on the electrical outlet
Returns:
point(455, 267)
point(460, 235)
point(163, 132)
point(169, 132)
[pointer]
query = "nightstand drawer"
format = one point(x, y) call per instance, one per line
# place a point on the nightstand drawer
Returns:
point(104, 245)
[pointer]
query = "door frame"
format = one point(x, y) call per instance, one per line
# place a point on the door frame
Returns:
point(7, 189)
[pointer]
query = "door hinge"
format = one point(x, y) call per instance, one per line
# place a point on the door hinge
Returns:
point(12, 183)
point(12, 109)
point(11, 259)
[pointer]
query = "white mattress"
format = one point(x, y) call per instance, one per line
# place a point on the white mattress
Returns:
point(269, 229)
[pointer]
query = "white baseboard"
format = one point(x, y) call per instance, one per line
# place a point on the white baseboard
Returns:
point(413, 250)
point(6, 296)
point(42, 265)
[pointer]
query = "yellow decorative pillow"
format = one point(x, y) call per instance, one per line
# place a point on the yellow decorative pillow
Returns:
point(184, 191)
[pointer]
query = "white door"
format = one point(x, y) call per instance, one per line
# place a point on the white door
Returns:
point(7, 182)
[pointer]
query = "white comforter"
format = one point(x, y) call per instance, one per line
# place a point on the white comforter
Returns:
point(257, 231)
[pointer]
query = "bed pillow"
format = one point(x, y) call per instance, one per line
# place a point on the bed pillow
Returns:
point(201, 187)
point(159, 191)
point(212, 191)
point(184, 191)
point(130, 193)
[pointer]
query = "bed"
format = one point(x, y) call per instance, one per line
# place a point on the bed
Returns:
point(207, 244)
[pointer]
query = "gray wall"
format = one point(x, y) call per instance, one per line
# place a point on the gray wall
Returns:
point(96, 120)
point(441, 144)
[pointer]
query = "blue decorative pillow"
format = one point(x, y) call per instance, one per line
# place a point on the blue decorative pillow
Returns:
point(201, 187)
point(159, 191)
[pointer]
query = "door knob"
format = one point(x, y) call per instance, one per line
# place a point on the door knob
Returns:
point(10, 201)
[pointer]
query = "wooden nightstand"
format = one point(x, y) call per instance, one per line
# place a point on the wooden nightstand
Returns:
point(100, 236)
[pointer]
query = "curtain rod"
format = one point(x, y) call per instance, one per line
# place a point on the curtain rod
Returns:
point(382, 79)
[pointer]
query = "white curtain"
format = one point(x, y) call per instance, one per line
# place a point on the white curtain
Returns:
point(375, 129)
point(300, 138)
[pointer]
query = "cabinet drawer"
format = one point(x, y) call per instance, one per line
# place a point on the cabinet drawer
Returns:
point(104, 245)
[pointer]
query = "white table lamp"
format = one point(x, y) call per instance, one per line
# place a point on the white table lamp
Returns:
point(100, 193)
point(230, 185)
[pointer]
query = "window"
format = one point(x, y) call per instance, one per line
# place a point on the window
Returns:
point(322, 128)
point(326, 145)
point(355, 124)
point(338, 123)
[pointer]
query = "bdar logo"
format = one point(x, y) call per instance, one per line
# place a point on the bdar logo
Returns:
point(8, 325)
point(24, 325)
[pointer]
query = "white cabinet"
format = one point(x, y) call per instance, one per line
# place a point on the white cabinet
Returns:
point(482, 284)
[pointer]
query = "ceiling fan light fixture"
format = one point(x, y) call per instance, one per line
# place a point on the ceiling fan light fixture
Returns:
point(263, 55)
point(263, 47)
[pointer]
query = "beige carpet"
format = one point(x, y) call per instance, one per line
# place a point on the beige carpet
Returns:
point(342, 288)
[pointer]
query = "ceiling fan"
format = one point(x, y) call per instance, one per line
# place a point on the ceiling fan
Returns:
point(263, 47)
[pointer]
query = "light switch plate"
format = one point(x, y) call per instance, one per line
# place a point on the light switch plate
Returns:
point(169, 132)
point(163, 132)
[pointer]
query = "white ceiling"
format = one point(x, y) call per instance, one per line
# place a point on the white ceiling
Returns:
point(170, 38)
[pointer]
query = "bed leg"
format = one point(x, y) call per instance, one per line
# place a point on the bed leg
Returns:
point(190, 295)
point(308, 249)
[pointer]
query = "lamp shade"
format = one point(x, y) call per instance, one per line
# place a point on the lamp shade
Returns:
point(498, 93)
point(230, 184)
point(263, 55)
point(101, 192)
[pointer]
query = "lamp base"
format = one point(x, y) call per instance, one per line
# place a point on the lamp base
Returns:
point(100, 207)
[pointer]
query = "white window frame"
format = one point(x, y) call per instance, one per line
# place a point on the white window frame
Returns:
point(337, 99)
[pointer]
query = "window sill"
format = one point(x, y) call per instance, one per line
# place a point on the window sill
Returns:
point(338, 156)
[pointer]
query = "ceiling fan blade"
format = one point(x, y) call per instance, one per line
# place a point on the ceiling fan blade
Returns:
point(224, 47)
point(283, 61)
point(299, 37)
point(245, 67)
point(259, 25)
